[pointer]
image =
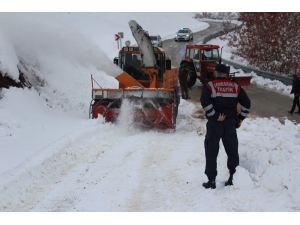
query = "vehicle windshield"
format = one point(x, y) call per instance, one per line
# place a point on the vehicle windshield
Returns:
point(183, 31)
point(211, 54)
point(153, 38)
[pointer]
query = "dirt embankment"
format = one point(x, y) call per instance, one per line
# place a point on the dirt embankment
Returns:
point(6, 81)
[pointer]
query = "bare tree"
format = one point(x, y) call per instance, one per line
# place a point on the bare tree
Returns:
point(268, 40)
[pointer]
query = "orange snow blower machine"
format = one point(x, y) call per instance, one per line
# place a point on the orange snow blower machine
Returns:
point(149, 82)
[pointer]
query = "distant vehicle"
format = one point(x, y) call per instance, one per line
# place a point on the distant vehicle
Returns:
point(184, 34)
point(156, 40)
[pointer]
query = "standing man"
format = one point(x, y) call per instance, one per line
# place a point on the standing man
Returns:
point(296, 91)
point(135, 62)
point(134, 68)
point(183, 76)
point(219, 100)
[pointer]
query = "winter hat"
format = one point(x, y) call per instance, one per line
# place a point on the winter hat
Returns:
point(221, 68)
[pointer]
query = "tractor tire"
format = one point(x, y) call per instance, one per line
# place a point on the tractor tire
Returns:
point(191, 79)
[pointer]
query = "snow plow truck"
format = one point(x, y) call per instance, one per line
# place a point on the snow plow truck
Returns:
point(149, 82)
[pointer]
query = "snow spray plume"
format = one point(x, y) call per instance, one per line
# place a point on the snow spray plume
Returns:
point(126, 116)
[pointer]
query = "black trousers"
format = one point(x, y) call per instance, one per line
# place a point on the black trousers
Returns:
point(184, 90)
point(296, 102)
point(215, 131)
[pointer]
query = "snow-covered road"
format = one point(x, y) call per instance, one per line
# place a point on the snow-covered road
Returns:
point(127, 170)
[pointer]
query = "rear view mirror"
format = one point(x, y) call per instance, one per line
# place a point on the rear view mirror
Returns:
point(116, 60)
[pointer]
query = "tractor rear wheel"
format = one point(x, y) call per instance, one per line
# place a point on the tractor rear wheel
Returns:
point(191, 79)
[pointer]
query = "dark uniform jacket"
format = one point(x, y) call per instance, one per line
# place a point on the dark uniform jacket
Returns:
point(296, 87)
point(222, 95)
point(183, 75)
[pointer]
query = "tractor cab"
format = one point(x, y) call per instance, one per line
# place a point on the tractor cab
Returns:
point(202, 60)
point(130, 61)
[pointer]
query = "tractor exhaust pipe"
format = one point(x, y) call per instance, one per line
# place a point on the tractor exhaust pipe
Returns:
point(221, 56)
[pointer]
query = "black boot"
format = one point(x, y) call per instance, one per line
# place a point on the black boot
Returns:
point(210, 184)
point(290, 112)
point(229, 182)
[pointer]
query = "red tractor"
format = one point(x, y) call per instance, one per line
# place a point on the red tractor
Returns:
point(202, 60)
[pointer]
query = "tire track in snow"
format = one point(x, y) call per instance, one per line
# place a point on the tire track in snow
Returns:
point(32, 180)
point(54, 179)
point(158, 172)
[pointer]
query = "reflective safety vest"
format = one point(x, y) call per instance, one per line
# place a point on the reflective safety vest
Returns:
point(223, 88)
